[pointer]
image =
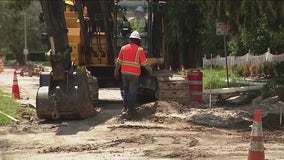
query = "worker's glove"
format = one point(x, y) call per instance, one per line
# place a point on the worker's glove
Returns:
point(116, 75)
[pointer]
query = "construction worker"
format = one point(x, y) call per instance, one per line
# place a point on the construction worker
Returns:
point(138, 22)
point(129, 61)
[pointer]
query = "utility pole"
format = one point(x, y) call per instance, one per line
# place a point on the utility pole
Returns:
point(26, 51)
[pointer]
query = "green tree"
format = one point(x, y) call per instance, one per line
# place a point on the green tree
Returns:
point(12, 27)
point(253, 25)
point(182, 23)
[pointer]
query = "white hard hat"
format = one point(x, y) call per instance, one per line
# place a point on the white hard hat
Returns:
point(139, 9)
point(135, 34)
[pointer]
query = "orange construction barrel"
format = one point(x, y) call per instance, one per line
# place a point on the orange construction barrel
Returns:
point(194, 77)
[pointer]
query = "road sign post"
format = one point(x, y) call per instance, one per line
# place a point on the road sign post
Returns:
point(26, 51)
point(222, 29)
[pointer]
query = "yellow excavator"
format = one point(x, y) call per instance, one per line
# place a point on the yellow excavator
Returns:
point(89, 33)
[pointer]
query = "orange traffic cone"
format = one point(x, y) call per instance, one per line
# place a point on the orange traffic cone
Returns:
point(256, 149)
point(15, 87)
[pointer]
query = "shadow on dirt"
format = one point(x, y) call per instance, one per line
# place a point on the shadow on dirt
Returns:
point(220, 121)
point(105, 111)
point(272, 122)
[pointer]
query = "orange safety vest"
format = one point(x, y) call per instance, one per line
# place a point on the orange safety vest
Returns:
point(138, 25)
point(131, 57)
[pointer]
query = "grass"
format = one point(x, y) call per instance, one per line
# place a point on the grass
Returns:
point(11, 107)
point(218, 78)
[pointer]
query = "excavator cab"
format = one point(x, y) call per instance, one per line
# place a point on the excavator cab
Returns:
point(146, 17)
point(132, 17)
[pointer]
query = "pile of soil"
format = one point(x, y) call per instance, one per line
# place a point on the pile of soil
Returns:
point(160, 111)
point(240, 117)
point(171, 112)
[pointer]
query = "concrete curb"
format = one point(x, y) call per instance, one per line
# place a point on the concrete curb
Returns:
point(252, 86)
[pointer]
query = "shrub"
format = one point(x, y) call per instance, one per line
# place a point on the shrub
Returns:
point(269, 69)
point(246, 72)
point(37, 56)
point(237, 70)
point(260, 70)
point(252, 70)
point(274, 87)
point(279, 68)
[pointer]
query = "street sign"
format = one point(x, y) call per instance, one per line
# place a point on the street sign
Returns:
point(26, 51)
point(221, 28)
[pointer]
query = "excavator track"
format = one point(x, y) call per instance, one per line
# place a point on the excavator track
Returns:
point(173, 87)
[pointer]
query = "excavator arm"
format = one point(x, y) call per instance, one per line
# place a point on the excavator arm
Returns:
point(63, 92)
point(59, 54)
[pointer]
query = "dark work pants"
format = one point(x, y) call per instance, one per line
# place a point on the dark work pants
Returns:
point(129, 86)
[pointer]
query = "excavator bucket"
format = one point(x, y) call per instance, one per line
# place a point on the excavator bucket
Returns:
point(57, 102)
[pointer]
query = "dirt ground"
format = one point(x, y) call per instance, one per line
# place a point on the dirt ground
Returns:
point(161, 130)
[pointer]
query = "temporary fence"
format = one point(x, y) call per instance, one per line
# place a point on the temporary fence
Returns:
point(241, 60)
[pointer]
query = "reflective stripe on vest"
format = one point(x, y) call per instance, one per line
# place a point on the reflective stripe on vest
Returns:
point(138, 25)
